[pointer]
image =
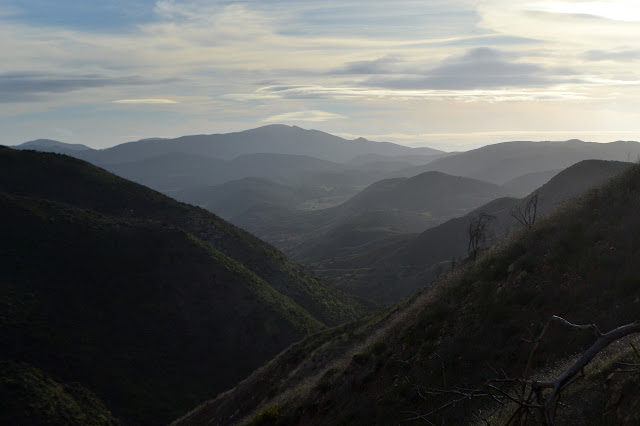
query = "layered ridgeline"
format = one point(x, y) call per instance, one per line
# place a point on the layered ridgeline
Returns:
point(150, 303)
point(322, 169)
point(419, 361)
point(272, 139)
point(397, 268)
point(500, 163)
point(382, 211)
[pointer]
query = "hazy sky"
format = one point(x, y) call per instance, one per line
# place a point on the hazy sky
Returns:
point(447, 74)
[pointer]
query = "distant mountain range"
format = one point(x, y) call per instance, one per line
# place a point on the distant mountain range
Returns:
point(150, 303)
point(502, 162)
point(273, 139)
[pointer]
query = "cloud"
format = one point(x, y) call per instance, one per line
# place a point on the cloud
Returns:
point(479, 68)
point(618, 55)
point(25, 87)
point(144, 101)
point(312, 115)
point(385, 65)
point(314, 92)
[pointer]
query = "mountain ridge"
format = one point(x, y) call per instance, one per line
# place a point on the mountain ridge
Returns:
point(133, 285)
point(412, 361)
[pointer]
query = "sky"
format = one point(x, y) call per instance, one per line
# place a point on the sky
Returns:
point(452, 75)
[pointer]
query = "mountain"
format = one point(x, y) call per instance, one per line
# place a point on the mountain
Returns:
point(499, 163)
point(177, 171)
point(523, 185)
point(28, 396)
point(48, 145)
point(434, 192)
point(430, 358)
point(271, 139)
point(387, 272)
point(150, 303)
point(381, 211)
point(237, 196)
point(414, 159)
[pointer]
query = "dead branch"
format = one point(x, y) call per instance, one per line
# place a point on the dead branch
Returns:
point(529, 388)
point(526, 214)
point(477, 233)
point(602, 342)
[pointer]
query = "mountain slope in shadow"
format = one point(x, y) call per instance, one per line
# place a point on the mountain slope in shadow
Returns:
point(148, 302)
point(416, 360)
point(398, 268)
point(383, 210)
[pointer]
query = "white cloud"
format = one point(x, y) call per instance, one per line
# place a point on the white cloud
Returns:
point(144, 101)
point(313, 116)
point(228, 65)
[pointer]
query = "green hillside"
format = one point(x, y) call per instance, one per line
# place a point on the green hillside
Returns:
point(418, 361)
point(151, 304)
point(76, 182)
point(28, 396)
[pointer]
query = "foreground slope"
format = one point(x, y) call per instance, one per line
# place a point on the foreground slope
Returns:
point(28, 396)
point(149, 303)
point(472, 324)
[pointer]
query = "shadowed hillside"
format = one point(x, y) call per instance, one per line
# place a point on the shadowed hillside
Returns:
point(417, 361)
point(28, 396)
point(396, 269)
point(148, 302)
point(382, 210)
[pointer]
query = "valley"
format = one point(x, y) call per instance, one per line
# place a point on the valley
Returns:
point(366, 263)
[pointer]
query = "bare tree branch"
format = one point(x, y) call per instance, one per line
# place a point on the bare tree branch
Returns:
point(526, 215)
point(477, 232)
point(524, 398)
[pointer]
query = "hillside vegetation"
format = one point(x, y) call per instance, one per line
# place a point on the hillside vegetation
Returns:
point(477, 322)
point(398, 267)
point(149, 303)
point(28, 396)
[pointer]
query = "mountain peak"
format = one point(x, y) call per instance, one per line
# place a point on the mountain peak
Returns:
point(52, 144)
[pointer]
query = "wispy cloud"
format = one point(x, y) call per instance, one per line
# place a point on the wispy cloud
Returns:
point(311, 116)
point(145, 101)
point(346, 93)
point(479, 68)
point(458, 65)
point(32, 86)
point(625, 55)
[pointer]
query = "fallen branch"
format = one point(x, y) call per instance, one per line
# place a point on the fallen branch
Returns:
point(529, 388)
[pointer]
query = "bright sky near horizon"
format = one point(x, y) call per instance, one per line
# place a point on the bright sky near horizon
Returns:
point(450, 74)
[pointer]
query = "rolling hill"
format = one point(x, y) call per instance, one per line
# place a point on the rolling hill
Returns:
point(148, 302)
point(383, 210)
point(431, 358)
point(387, 272)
